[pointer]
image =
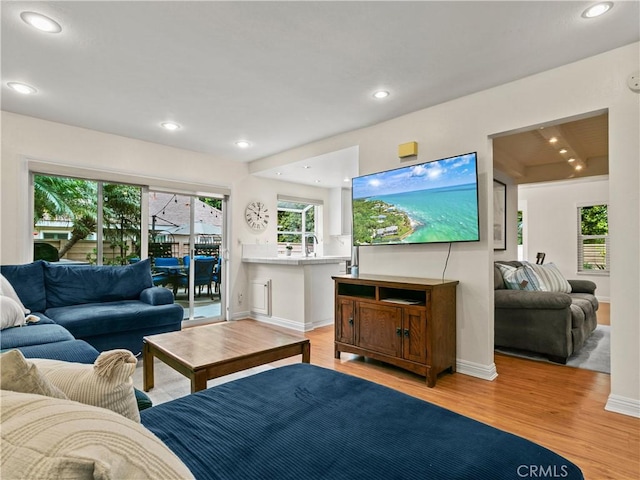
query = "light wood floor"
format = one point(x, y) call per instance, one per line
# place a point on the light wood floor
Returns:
point(559, 407)
point(604, 313)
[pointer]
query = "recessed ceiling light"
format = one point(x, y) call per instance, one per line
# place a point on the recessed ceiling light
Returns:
point(242, 143)
point(170, 125)
point(381, 94)
point(317, 181)
point(578, 167)
point(553, 140)
point(346, 179)
point(563, 150)
point(41, 22)
point(307, 167)
point(597, 9)
point(21, 88)
point(278, 173)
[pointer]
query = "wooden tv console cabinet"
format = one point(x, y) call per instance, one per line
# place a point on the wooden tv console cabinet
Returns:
point(407, 322)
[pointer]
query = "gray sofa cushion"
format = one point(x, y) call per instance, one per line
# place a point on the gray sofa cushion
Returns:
point(588, 297)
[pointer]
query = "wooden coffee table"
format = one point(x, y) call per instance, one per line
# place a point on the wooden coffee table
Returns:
point(210, 351)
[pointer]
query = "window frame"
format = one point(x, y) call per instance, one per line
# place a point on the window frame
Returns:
point(581, 239)
point(304, 233)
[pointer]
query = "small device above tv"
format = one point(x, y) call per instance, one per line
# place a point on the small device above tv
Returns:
point(433, 202)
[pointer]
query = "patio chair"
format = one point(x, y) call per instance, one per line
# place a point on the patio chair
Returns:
point(217, 276)
point(164, 275)
point(203, 276)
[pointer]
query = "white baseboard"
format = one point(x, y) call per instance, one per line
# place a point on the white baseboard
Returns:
point(290, 324)
point(240, 315)
point(485, 372)
point(280, 322)
point(623, 405)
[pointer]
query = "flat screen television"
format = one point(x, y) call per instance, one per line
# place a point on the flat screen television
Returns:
point(434, 202)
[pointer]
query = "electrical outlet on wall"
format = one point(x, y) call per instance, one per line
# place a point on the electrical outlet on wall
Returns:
point(239, 298)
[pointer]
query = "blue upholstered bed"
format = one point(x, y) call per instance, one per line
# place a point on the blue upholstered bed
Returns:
point(306, 422)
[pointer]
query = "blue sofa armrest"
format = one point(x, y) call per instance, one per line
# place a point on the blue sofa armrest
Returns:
point(156, 296)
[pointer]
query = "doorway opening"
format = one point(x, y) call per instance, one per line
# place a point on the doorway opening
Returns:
point(186, 247)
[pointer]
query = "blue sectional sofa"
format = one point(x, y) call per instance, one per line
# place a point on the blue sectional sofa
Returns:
point(106, 307)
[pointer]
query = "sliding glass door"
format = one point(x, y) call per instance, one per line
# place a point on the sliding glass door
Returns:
point(187, 251)
point(86, 221)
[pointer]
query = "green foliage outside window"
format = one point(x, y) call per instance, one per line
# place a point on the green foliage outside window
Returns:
point(594, 238)
point(594, 220)
point(75, 201)
point(290, 217)
point(520, 224)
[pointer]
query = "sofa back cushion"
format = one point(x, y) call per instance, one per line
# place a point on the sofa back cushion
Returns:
point(28, 282)
point(79, 284)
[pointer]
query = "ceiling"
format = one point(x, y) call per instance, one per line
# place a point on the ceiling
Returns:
point(558, 151)
point(281, 74)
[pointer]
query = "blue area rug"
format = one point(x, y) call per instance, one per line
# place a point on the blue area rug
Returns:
point(594, 355)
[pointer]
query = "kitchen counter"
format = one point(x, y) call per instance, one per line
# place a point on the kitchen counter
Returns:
point(293, 292)
point(295, 260)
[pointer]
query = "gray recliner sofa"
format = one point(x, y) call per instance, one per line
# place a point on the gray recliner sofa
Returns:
point(548, 323)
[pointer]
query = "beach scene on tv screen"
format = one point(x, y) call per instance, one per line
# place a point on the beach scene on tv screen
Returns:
point(430, 202)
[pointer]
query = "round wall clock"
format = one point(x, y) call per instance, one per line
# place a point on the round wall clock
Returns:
point(257, 215)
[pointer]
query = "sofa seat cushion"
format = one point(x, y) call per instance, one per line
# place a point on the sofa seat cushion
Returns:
point(577, 316)
point(592, 299)
point(77, 351)
point(43, 319)
point(585, 307)
point(17, 337)
point(93, 319)
point(82, 284)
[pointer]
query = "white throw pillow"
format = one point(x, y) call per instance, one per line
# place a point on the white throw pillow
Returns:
point(551, 279)
point(11, 315)
point(19, 375)
point(108, 383)
point(7, 290)
point(50, 438)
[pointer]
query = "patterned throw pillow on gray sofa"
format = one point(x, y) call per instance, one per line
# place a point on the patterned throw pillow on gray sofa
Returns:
point(519, 278)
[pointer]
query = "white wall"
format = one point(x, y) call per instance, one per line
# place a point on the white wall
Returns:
point(552, 223)
point(467, 124)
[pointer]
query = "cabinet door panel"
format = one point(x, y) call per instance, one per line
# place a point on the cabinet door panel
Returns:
point(415, 334)
point(345, 320)
point(379, 328)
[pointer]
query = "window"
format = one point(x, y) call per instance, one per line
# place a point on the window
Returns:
point(55, 235)
point(593, 239)
point(93, 217)
point(296, 223)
